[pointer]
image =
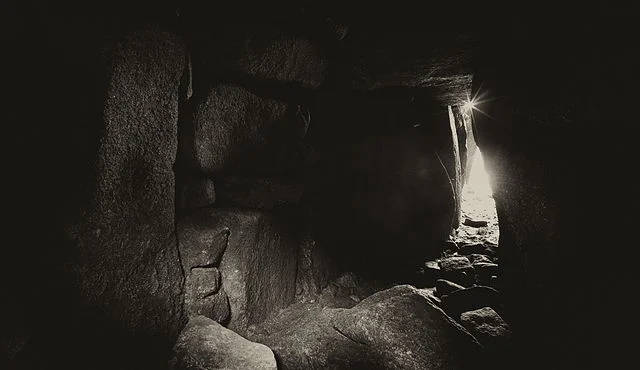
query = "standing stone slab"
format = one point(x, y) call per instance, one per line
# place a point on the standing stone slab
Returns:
point(258, 268)
point(125, 257)
point(204, 294)
point(255, 253)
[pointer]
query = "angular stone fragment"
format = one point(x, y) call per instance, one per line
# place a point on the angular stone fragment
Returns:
point(475, 223)
point(485, 271)
point(488, 327)
point(475, 257)
point(200, 244)
point(445, 287)
point(479, 248)
point(470, 299)
point(205, 281)
point(457, 269)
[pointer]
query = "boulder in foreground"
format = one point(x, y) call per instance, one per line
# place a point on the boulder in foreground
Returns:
point(398, 328)
point(205, 344)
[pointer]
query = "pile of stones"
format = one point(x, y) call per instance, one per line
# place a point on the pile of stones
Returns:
point(463, 283)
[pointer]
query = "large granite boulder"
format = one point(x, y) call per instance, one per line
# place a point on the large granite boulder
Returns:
point(251, 53)
point(230, 128)
point(488, 327)
point(205, 344)
point(398, 328)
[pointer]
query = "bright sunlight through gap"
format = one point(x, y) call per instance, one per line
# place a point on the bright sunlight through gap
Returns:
point(478, 204)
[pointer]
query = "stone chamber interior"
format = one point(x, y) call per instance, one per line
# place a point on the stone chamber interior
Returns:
point(205, 185)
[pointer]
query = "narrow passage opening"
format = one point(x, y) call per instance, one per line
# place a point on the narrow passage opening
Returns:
point(479, 219)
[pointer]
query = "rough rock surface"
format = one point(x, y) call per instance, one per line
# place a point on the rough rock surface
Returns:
point(428, 275)
point(391, 59)
point(475, 258)
point(224, 125)
point(485, 271)
point(486, 249)
point(255, 253)
point(315, 269)
point(254, 52)
point(120, 250)
point(261, 193)
point(457, 269)
point(445, 287)
point(205, 344)
point(199, 193)
point(475, 297)
point(532, 159)
point(398, 328)
point(200, 244)
point(204, 294)
point(488, 327)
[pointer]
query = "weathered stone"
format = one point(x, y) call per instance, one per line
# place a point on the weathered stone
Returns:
point(475, 258)
point(215, 306)
point(227, 127)
point(205, 344)
point(431, 294)
point(535, 163)
point(347, 280)
point(484, 271)
point(199, 193)
point(469, 299)
point(488, 328)
point(475, 223)
point(454, 263)
point(381, 332)
point(434, 266)
point(457, 269)
point(115, 240)
point(204, 295)
point(315, 270)
point(263, 193)
point(335, 296)
point(348, 289)
point(444, 287)
point(427, 275)
point(258, 266)
point(200, 244)
point(478, 248)
point(238, 52)
point(204, 280)
point(451, 246)
point(391, 59)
